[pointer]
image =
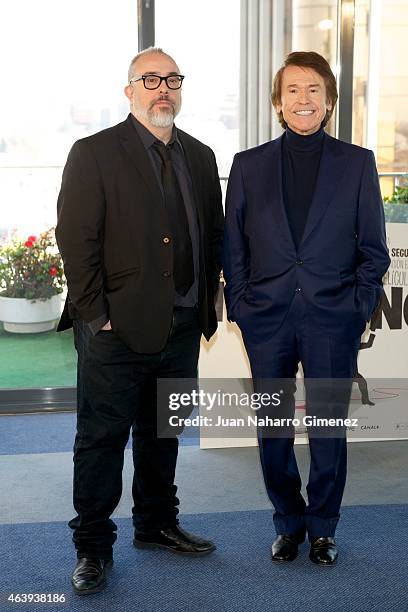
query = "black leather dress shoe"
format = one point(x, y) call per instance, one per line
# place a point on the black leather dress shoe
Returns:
point(90, 575)
point(323, 551)
point(285, 547)
point(176, 540)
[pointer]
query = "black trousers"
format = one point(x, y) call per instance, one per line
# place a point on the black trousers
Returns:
point(117, 392)
point(329, 364)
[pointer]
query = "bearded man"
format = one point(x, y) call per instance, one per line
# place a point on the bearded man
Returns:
point(139, 228)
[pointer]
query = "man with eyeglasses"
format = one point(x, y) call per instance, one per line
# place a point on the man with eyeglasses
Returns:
point(139, 228)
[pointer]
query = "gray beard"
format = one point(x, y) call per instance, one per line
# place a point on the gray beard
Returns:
point(160, 119)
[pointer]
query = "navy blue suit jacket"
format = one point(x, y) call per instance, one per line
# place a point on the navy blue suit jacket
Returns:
point(341, 259)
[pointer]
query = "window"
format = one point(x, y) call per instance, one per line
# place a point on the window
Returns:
point(63, 73)
point(203, 38)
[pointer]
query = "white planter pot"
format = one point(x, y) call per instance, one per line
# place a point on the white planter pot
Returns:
point(21, 316)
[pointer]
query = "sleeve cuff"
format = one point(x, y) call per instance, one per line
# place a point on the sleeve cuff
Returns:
point(96, 325)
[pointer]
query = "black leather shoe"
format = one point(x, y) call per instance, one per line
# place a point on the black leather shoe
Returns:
point(176, 540)
point(323, 551)
point(90, 575)
point(285, 547)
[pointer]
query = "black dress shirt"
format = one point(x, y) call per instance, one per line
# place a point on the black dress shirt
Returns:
point(186, 187)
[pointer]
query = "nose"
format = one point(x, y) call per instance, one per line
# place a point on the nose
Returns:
point(303, 96)
point(163, 87)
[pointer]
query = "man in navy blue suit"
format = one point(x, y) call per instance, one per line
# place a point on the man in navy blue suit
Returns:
point(305, 253)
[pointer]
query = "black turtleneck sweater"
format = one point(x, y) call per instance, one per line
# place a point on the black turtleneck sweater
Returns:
point(301, 159)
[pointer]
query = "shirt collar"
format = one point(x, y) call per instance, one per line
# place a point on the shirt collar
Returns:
point(148, 139)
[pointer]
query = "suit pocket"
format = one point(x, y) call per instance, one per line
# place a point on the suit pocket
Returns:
point(121, 273)
point(367, 301)
point(347, 278)
point(117, 279)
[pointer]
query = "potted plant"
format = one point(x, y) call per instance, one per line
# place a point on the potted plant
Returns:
point(31, 281)
point(396, 206)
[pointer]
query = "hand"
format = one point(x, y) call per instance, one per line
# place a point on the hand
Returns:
point(107, 326)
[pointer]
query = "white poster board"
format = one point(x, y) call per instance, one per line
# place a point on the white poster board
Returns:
point(387, 358)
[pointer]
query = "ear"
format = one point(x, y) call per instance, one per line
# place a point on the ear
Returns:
point(329, 105)
point(128, 92)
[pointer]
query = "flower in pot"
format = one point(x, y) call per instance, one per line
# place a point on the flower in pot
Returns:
point(31, 281)
point(396, 206)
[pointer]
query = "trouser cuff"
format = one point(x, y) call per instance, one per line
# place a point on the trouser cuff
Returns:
point(105, 553)
point(289, 524)
point(318, 527)
point(146, 530)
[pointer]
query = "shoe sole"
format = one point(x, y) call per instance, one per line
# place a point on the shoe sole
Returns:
point(275, 560)
point(97, 589)
point(153, 546)
point(323, 563)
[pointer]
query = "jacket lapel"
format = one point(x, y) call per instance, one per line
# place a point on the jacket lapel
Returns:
point(195, 169)
point(332, 166)
point(133, 145)
point(192, 159)
point(270, 175)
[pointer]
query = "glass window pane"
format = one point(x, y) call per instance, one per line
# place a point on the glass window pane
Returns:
point(311, 25)
point(208, 54)
point(381, 86)
point(64, 70)
point(65, 82)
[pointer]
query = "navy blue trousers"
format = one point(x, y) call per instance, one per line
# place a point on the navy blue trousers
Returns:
point(117, 393)
point(300, 339)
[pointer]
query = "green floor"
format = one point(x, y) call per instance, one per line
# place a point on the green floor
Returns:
point(37, 360)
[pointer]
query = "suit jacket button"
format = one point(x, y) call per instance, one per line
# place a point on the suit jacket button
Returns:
point(299, 262)
point(166, 274)
point(166, 240)
point(298, 290)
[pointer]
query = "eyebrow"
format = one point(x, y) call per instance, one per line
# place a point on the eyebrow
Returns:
point(310, 85)
point(156, 73)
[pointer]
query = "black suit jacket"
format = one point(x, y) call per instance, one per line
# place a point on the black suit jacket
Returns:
point(111, 228)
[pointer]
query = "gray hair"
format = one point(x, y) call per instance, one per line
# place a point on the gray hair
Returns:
point(144, 52)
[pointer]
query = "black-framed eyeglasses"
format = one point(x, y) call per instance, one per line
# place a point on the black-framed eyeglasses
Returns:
point(153, 81)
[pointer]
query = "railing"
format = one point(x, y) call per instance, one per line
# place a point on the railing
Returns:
point(28, 196)
point(397, 176)
point(390, 180)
